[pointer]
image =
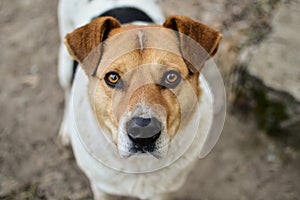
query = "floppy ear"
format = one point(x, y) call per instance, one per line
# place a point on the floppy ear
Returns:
point(81, 42)
point(207, 37)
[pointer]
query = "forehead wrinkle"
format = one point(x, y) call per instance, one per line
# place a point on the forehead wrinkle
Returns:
point(141, 40)
point(126, 62)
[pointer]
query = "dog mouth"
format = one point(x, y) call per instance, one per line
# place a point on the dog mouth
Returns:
point(150, 149)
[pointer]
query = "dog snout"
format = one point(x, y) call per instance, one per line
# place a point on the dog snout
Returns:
point(143, 131)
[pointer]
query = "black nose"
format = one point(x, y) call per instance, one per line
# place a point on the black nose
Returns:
point(143, 130)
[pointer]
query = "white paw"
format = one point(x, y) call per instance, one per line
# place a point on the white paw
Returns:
point(98, 194)
point(64, 135)
point(161, 197)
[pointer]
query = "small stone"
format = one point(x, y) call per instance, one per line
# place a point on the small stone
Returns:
point(31, 81)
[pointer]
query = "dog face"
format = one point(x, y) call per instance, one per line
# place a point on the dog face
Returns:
point(143, 95)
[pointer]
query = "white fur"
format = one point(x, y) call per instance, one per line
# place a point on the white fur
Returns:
point(104, 179)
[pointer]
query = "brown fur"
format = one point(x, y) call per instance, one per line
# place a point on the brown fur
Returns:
point(206, 36)
point(142, 87)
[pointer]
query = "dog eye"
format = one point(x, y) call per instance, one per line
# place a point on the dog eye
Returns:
point(113, 79)
point(171, 79)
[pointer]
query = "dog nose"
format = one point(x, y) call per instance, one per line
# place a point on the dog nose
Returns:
point(143, 130)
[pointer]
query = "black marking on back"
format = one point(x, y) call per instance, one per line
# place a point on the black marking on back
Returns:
point(127, 15)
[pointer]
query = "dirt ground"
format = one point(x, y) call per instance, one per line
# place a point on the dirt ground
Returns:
point(245, 164)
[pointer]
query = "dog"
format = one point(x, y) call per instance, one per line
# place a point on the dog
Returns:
point(135, 93)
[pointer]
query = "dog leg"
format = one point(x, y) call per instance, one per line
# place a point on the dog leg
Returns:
point(98, 194)
point(63, 133)
point(160, 197)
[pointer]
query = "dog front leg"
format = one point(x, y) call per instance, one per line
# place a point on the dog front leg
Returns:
point(98, 194)
point(160, 197)
point(64, 131)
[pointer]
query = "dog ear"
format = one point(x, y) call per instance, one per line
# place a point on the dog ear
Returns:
point(81, 42)
point(208, 38)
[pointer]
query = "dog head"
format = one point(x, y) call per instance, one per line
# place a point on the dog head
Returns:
point(141, 83)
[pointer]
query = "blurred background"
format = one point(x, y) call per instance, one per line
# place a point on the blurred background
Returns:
point(258, 153)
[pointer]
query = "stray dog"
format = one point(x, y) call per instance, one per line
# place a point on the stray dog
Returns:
point(137, 79)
